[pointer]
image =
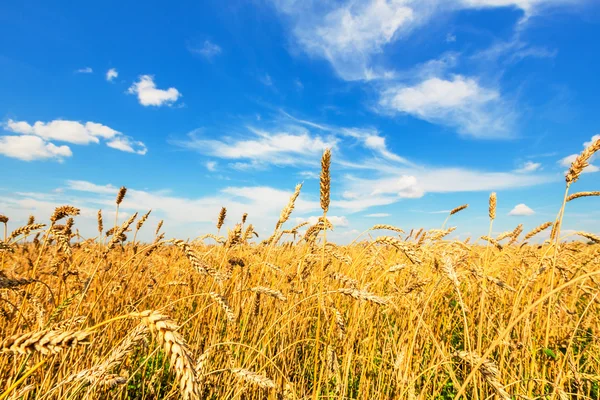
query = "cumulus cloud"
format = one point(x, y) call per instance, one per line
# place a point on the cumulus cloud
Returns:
point(459, 102)
point(40, 135)
point(529, 166)
point(149, 95)
point(111, 74)
point(207, 49)
point(86, 70)
point(29, 148)
point(521, 210)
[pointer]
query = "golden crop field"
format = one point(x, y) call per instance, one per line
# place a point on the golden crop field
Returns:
point(394, 315)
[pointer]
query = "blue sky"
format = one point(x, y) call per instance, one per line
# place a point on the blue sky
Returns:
point(196, 105)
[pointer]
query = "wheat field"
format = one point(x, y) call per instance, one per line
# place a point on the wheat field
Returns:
point(393, 315)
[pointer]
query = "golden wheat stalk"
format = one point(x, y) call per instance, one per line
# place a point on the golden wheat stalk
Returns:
point(62, 212)
point(515, 234)
point(253, 378)
point(140, 223)
point(590, 236)
point(224, 304)
point(537, 230)
point(24, 230)
point(492, 206)
point(387, 227)
point(458, 209)
point(325, 180)
point(488, 369)
point(46, 341)
point(269, 292)
point(400, 245)
point(221, 219)
point(581, 162)
point(582, 194)
point(287, 210)
point(344, 279)
point(364, 295)
point(492, 241)
point(193, 258)
point(176, 349)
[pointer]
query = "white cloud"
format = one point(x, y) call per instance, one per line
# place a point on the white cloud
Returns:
point(450, 38)
point(529, 166)
point(29, 148)
point(372, 140)
point(351, 34)
point(512, 51)
point(378, 215)
point(111, 74)
point(521, 210)
point(207, 49)
point(394, 184)
point(348, 35)
point(84, 186)
point(73, 132)
point(337, 221)
point(63, 130)
point(211, 166)
point(149, 95)
point(282, 148)
point(86, 70)
point(528, 6)
point(128, 145)
point(460, 102)
point(309, 174)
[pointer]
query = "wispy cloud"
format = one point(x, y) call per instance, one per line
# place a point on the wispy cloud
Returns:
point(262, 147)
point(349, 34)
point(207, 49)
point(529, 166)
point(73, 132)
point(378, 215)
point(149, 95)
point(86, 70)
point(395, 184)
point(266, 80)
point(337, 221)
point(309, 174)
